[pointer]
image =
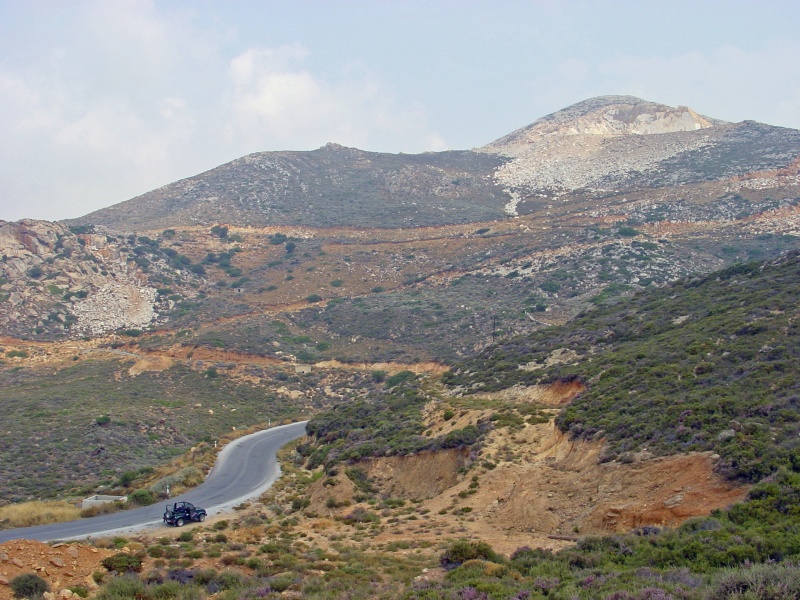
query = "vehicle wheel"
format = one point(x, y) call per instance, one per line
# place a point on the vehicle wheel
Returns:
point(201, 518)
point(178, 522)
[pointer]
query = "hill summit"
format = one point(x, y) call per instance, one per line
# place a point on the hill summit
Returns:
point(601, 146)
point(606, 116)
point(603, 198)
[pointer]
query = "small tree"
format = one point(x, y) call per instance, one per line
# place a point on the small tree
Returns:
point(28, 585)
point(221, 231)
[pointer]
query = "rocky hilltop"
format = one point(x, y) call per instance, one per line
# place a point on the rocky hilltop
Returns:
point(595, 148)
point(605, 115)
point(612, 144)
point(367, 256)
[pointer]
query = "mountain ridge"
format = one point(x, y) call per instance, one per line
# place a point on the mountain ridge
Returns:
point(600, 300)
point(595, 147)
point(379, 237)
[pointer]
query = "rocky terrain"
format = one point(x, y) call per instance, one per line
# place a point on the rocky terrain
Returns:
point(57, 281)
point(61, 565)
point(331, 186)
point(530, 486)
point(352, 253)
point(283, 284)
point(596, 148)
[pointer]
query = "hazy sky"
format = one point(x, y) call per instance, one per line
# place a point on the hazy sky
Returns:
point(102, 101)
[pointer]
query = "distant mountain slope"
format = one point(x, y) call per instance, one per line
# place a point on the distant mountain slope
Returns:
point(613, 195)
point(707, 363)
point(613, 144)
point(590, 150)
point(329, 187)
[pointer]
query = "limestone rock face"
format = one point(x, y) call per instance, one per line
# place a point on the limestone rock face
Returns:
point(29, 237)
point(605, 116)
point(56, 282)
point(602, 145)
point(116, 306)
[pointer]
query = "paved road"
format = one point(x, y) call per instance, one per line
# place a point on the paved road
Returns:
point(244, 470)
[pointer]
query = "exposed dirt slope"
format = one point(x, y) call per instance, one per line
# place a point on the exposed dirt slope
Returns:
point(532, 484)
point(554, 486)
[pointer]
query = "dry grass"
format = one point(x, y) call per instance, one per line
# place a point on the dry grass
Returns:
point(37, 512)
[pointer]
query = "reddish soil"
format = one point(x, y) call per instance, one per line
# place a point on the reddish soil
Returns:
point(61, 565)
point(531, 487)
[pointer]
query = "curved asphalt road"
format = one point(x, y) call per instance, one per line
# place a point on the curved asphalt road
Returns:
point(244, 469)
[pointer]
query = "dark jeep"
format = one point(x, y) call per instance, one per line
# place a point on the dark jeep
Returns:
point(182, 512)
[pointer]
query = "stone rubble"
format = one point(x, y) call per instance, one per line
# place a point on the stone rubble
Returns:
point(116, 306)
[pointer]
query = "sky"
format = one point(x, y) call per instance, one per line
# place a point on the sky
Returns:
point(101, 101)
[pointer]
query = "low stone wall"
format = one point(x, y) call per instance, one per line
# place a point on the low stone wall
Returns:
point(100, 499)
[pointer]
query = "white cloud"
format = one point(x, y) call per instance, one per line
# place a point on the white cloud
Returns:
point(129, 98)
point(278, 103)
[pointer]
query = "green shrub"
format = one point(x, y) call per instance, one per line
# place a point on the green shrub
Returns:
point(627, 231)
point(186, 536)
point(230, 580)
point(281, 583)
point(221, 231)
point(123, 588)
point(763, 581)
point(79, 590)
point(278, 238)
point(142, 497)
point(127, 477)
point(399, 378)
point(360, 515)
point(122, 563)
point(28, 585)
point(464, 550)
